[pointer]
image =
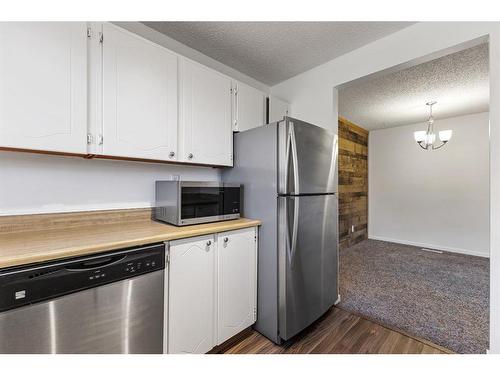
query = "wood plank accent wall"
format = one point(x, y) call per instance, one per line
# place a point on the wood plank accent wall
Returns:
point(353, 183)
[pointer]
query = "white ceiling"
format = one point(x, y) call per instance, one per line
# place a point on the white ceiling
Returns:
point(459, 82)
point(271, 52)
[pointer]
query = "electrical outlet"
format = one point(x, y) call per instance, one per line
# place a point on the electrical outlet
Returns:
point(352, 228)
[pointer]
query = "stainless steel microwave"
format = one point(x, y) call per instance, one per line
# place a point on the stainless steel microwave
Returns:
point(194, 202)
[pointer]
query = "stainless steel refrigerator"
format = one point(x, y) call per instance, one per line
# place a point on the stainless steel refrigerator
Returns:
point(288, 171)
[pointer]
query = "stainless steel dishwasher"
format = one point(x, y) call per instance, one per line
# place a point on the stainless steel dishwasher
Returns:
point(106, 303)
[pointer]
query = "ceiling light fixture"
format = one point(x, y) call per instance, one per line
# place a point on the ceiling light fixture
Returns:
point(426, 138)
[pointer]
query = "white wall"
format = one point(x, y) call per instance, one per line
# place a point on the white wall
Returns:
point(313, 97)
point(436, 199)
point(31, 183)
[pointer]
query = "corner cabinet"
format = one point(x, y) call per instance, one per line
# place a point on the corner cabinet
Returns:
point(249, 107)
point(43, 86)
point(139, 93)
point(205, 107)
point(212, 290)
point(277, 109)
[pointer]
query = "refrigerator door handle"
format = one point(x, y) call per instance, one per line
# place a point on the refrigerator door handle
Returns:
point(295, 227)
point(295, 160)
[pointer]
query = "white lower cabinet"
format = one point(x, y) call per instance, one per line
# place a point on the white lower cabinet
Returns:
point(191, 291)
point(211, 293)
point(236, 285)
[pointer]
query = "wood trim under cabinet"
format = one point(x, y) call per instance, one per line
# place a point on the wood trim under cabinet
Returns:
point(94, 156)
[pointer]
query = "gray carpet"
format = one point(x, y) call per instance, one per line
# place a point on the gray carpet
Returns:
point(443, 298)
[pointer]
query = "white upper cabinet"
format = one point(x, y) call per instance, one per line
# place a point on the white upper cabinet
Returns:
point(191, 297)
point(43, 86)
point(249, 107)
point(237, 282)
point(205, 115)
point(277, 109)
point(139, 109)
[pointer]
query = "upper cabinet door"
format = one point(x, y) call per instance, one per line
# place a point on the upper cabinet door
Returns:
point(205, 115)
point(250, 104)
point(237, 282)
point(191, 295)
point(139, 97)
point(43, 86)
point(277, 109)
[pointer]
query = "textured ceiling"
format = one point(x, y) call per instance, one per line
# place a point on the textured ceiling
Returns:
point(459, 82)
point(272, 52)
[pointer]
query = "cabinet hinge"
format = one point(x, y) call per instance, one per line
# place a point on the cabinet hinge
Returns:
point(231, 157)
point(101, 37)
point(89, 32)
point(90, 139)
point(167, 260)
point(255, 313)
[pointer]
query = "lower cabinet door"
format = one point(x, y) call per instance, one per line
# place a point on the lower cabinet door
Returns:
point(237, 282)
point(191, 317)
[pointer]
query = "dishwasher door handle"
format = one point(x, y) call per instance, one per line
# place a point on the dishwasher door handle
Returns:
point(88, 265)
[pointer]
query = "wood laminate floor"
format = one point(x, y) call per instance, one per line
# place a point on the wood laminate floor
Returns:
point(338, 332)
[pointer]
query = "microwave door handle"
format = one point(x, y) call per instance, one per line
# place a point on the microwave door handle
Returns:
point(222, 200)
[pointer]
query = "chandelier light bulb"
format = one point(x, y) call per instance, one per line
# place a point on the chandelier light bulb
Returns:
point(419, 135)
point(445, 135)
point(430, 138)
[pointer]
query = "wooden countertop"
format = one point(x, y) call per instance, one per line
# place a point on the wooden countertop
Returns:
point(31, 246)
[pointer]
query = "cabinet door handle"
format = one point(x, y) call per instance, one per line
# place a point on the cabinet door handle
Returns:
point(226, 240)
point(209, 243)
point(171, 155)
point(190, 156)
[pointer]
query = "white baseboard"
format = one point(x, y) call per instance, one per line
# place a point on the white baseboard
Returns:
point(431, 246)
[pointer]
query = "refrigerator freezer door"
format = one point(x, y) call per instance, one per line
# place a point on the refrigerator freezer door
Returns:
point(308, 260)
point(307, 158)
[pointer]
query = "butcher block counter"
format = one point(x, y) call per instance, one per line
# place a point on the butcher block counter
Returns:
point(26, 239)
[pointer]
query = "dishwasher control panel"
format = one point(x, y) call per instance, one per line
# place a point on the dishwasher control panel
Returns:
point(142, 265)
point(34, 283)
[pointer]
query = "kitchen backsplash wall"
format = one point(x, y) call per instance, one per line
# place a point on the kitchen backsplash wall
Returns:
point(32, 183)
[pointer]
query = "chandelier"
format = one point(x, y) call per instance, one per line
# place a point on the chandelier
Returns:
point(427, 138)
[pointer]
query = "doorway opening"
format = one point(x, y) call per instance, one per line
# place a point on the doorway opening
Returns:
point(414, 222)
